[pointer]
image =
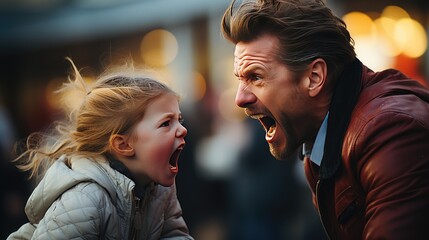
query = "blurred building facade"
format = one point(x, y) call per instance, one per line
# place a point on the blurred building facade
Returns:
point(220, 180)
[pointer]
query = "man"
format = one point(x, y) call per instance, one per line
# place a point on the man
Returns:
point(366, 134)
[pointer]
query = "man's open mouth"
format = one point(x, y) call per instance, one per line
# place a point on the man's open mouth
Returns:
point(268, 123)
point(174, 159)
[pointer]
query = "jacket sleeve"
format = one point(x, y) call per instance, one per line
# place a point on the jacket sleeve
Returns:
point(24, 232)
point(80, 212)
point(174, 224)
point(394, 170)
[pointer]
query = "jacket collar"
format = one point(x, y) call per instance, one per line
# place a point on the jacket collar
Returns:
point(344, 98)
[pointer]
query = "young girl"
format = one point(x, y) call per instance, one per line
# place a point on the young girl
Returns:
point(111, 166)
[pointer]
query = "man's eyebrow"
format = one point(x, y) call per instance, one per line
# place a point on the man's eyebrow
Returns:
point(251, 69)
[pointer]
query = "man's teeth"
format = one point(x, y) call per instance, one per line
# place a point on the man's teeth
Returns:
point(257, 116)
point(267, 122)
point(271, 130)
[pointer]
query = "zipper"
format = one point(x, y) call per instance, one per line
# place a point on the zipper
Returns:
point(318, 208)
point(136, 222)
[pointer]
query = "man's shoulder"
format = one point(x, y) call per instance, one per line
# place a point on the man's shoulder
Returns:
point(389, 93)
point(390, 107)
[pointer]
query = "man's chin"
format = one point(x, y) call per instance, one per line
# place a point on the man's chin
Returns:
point(277, 154)
point(280, 154)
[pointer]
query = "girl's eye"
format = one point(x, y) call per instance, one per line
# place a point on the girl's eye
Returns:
point(165, 124)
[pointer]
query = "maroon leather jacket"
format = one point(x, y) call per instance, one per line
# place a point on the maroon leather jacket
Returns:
point(373, 182)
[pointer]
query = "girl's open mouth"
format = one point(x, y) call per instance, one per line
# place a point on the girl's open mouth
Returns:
point(174, 160)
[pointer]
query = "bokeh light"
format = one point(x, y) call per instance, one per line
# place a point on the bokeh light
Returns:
point(394, 12)
point(227, 108)
point(364, 28)
point(200, 86)
point(411, 36)
point(158, 48)
point(378, 42)
point(71, 99)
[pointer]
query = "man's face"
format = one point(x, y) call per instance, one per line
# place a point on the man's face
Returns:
point(273, 94)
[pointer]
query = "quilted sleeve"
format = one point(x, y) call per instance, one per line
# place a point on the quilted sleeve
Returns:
point(174, 225)
point(82, 212)
point(24, 232)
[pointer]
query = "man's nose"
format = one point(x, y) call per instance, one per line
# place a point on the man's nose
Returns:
point(244, 96)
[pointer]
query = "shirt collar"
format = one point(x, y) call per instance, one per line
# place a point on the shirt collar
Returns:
point(319, 144)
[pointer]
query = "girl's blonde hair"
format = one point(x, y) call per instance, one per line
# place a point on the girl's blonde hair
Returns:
point(113, 104)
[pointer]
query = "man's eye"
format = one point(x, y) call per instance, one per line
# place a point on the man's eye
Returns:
point(165, 124)
point(254, 77)
point(181, 120)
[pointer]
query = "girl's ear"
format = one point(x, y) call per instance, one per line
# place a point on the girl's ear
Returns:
point(120, 145)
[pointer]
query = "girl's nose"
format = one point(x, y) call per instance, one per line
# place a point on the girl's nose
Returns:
point(181, 131)
point(244, 96)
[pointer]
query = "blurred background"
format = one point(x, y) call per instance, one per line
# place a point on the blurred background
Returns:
point(229, 185)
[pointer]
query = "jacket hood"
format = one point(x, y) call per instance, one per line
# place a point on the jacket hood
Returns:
point(60, 177)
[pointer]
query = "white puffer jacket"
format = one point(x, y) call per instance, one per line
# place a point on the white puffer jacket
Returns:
point(90, 200)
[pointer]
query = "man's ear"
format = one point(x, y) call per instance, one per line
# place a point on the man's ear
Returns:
point(120, 145)
point(318, 70)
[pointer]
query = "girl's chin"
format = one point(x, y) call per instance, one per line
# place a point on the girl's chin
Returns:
point(166, 183)
point(168, 180)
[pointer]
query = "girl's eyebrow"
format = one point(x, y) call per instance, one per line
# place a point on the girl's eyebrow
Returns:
point(172, 115)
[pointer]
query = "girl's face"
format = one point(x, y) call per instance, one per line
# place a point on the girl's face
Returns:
point(157, 140)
